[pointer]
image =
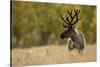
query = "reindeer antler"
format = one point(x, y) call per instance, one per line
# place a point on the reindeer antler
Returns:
point(64, 21)
point(76, 14)
point(73, 13)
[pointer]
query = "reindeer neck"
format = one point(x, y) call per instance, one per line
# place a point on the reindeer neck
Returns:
point(74, 36)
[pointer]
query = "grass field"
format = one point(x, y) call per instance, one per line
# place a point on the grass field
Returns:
point(51, 55)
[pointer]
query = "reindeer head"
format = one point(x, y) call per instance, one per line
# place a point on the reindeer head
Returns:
point(69, 23)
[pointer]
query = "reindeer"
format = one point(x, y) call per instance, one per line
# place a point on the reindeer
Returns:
point(76, 38)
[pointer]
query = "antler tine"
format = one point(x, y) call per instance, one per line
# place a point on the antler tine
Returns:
point(76, 14)
point(68, 20)
point(63, 19)
point(75, 22)
point(70, 13)
point(64, 25)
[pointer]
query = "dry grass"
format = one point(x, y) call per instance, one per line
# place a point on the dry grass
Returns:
point(51, 55)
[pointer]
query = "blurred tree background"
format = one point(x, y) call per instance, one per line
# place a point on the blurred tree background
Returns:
point(35, 24)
